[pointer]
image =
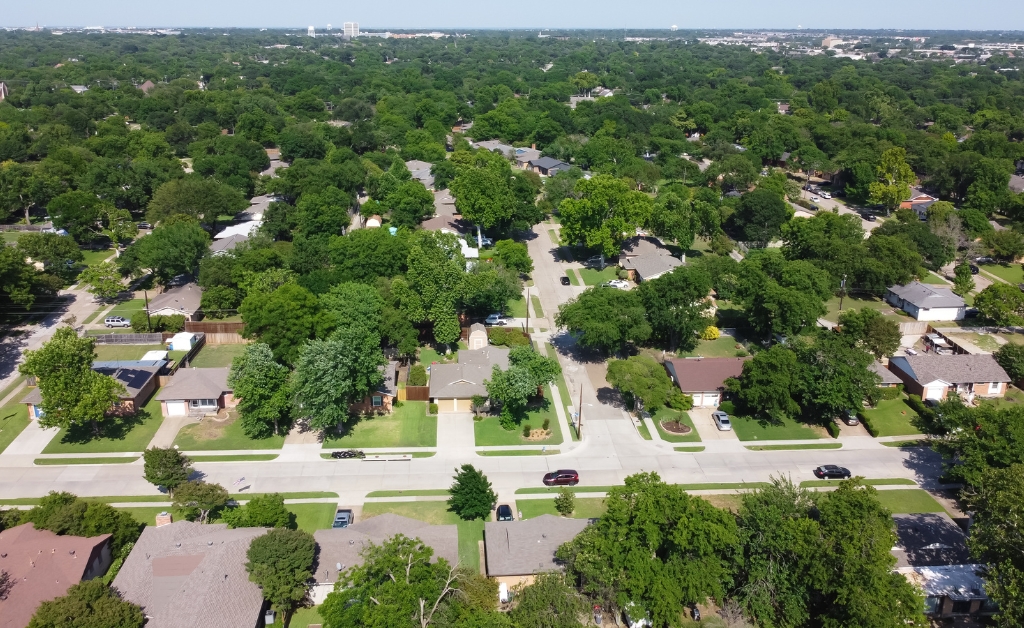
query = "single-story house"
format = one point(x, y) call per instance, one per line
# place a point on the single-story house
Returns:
point(1017, 184)
point(187, 574)
point(926, 302)
point(80, 89)
point(139, 378)
point(453, 386)
point(889, 379)
point(247, 228)
point(147, 87)
point(196, 391)
point(917, 197)
point(341, 548)
point(420, 171)
point(183, 299)
point(935, 376)
point(478, 338)
point(931, 552)
point(525, 155)
point(548, 166)
point(516, 551)
point(650, 265)
point(704, 378)
point(223, 245)
point(42, 566)
point(380, 400)
point(496, 146)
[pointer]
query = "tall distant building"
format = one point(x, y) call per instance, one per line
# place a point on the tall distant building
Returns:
point(311, 32)
point(351, 29)
point(3, 91)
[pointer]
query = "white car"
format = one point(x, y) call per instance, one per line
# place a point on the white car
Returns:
point(617, 283)
point(815, 199)
point(721, 421)
point(826, 195)
point(497, 319)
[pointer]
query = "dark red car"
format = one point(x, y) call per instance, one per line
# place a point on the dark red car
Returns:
point(562, 477)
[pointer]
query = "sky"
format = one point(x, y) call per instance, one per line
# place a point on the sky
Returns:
point(612, 14)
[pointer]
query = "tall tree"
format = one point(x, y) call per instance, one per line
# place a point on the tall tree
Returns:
point(196, 499)
point(963, 281)
point(871, 330)
point(894, 176)
point(15, 279)
point(166, 467)
point(104, 280)
point(281, 563)
point(199, 198)
point(1001, 303)
point(602, 213)
point(436, 273)
point(605, 319)
point(78, 213)
point(513, 255)
point(471, 495)
point(643, 378)
point(767, 384)
point(261, 387)
point(677, 306)
point(760, 216)
point(174, 248)
point(284, 319)
point(262, 511)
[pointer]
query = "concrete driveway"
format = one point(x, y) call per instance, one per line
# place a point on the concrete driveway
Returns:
point(707, 428)
point(831, 204)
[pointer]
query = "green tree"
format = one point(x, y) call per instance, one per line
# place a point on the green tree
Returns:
point(963, 281)
point(436, 274)
point(73, 394)
point(760, 216)
point(78, 213)
point(833, 375)
point(975, 440)
point(262, 511)
point(166, 467)
point(511, 389)
point(550, 602)
point(471, 495)
point(409, 204)
point(54, 251)
point(894, 176)
point(488, 288)
point(781, 297)
point(15, 279)
point(354, 305)
point(605, 319)
point(643, 378)
point(120, 225)
point(767, 384)
point(602, 213)
point(513, 255)
point(674, 220)
point(174, 248)
point(1005, 244)
point(565, 502)
point(261, 388)
point(332, 374)
point(196, 499)
point(64, 513)
point(284, 319)
point(196, 197)
point(873, 331)
point(1011, 357)
point(1001, 303)
point(104, 280)
point(281, 563)
point(677, 306)
point(656, 547)
point(89, 603)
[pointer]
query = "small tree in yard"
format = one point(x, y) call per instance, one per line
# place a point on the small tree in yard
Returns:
point(196, 499)
point(90, 603)
point(166, 467)
point(281, 563)
point(565, 503)
point(471, 494)
point(1011, 358)
point(262, 511)
point(963, 281)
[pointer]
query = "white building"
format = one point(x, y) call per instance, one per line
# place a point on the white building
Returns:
point(926, 302)
point(351, 29)
point(311, 32)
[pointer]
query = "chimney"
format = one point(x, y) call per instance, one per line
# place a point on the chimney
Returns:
point(533, 146)
point(163, 519)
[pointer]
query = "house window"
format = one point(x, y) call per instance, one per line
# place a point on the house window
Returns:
point(961, 607)
point(203, 403)
point(993, 388)
point(377, 401)
point(931, 604)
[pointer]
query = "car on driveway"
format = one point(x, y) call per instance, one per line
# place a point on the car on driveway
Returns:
point(564, 280)
point(722, 421)
point(497, 319)
point(850, 417)
point(826, 195)
point(594, 261)
point(505, 513)
point(832, 472)
point(116, 321)
point(869, 217)
point(342, 519)
point(616, 283)
point(974, 269)
point(562, 477)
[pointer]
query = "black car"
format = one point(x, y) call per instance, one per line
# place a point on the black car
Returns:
point(562, 477)
point(505, 513)
point(564, 280)
point(869, 217)
point(832, 472)
point(974, 269)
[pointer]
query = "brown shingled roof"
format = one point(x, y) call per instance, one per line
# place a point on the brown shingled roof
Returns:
point(703, 374)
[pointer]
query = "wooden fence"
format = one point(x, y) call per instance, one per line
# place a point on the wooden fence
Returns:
point(233, 338)
point(215, 327)
point(414, 393)
point(917, 328)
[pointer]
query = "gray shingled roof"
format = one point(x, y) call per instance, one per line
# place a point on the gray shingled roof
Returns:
point(926, 539)
point(133, 378)
point(952, 369)
point(196, 383)
point(389, 385)
point(652, 265)
point(547, 163)
point(188, 574)
point(184, 299)
point(888, 377)
point(517, 548)
point(466, 378)
point(344, 545)
point(926, 296)
point(226, 244)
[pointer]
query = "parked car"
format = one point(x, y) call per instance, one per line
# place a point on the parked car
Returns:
point(144, 225)
point(562, 477)
point(342, 519)
point(850, 417)
point(983, 260)
point(869, 217)
point(815, 199)
point(721, 420)
point(832, 472)
point(616, 283)
point(497, 319)
point(974, 269)
point(116, 321)
point(826, 195)
point(564, 280)
point(505, 513)
point(594, 261)
point(971, 312)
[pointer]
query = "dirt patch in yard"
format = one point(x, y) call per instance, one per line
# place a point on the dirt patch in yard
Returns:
point(676, 427)
point(539, 434)
point(212, 428)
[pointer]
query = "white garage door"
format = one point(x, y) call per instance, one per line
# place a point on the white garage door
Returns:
point(710, 400)
point(933, 392)
point(177, 408)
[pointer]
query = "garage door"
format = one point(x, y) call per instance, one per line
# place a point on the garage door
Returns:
point(446, 405)
point(933, 392)
point(710, 400)
point(177, 408)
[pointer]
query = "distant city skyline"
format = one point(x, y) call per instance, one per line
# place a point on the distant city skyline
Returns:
point(582, 14)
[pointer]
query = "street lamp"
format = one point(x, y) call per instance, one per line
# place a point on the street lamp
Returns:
point(842, 292)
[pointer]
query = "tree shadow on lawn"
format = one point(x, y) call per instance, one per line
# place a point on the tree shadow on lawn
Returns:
point(566, 344)
point(115, 427)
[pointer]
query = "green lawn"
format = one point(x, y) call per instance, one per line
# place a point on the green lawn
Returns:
point(920, 442)
point(65, 461)
point(750, 429)
point(95, 257)
point(118, 437)
point(1013, 397)
point(212, 356)
point(303, 617)
point(790, 447)
point(1012, 273)
point(594, 277)
point(428, 356)
point(541, 490)
point(126, 352)
point(691, 450)
point(723, 347)
point(722, 486)
point(516, 308)
point(229, 458)
point(669, 415)
point(210, 435)
point(908, 500)
point(644, 432)
point(586, 507)
point(552, 235)
point(857, 303)
point(127, 308)
point(518, 452)
point(932, 278)
point(407, 426)
point(878, 482)
point(892, 417)
point(10, 387)
point(313, 517)
point(573, 277)
point(13, 419)
point(563, 391)
point(490, 433)
point(147, 514)
point(436, 513)
point(430, 492)
point(985, 342)
point(538, 311)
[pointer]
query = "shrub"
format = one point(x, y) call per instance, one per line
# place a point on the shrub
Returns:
point(418, 375)
point(833, 429)
point(506, 337)
point(432, 408)
point(546, 424)
point(680, 401)
point(890, 393)
point(565, 503)
point(916, 404)
point(741, 353)
point(710, 333)
point(623, 274)
point(867, 425)
point(173, 323)
point(526, 430)
point(140, 323)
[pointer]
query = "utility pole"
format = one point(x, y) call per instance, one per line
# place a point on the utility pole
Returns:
point(842, 292)
point(579, 418)
point(527, 311)
point(149, 324)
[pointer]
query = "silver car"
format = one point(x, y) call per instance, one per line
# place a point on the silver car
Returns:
point(721, 420)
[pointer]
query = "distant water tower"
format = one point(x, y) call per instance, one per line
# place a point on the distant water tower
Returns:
point(328, 28)
point(674, 27)
point(311, 32)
